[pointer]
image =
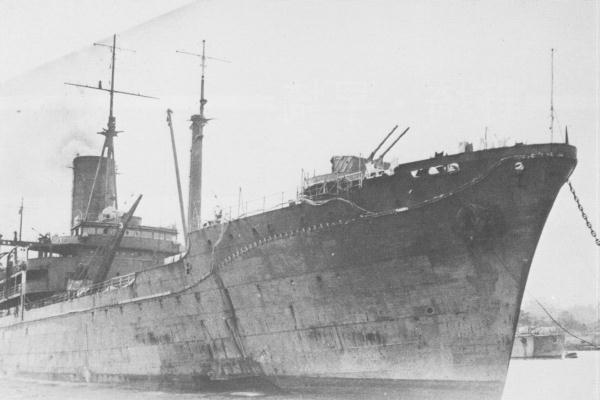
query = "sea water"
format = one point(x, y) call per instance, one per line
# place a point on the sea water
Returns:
point(554, 379)
point(540, 379)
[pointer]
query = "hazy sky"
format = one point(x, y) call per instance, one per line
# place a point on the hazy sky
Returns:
point(308, 79)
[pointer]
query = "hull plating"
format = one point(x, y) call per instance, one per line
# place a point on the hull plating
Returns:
point(429, 292)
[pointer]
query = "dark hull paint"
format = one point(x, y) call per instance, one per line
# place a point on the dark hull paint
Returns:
point(329, 388)
point(426, 292)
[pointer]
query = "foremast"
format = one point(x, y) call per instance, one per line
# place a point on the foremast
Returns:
point(197, 127)
point(198, 123)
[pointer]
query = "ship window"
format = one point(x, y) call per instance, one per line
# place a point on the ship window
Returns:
point(416, 173)
point(452, 168)
point(436, 170)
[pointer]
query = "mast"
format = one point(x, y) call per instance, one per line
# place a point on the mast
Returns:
point(485, 142)
point(109, 133)
point(197, 127)
point(111, 118)
point(551, 95)
point(107, 154)
point(202, 99)
point(21, 220)
point(198, 122)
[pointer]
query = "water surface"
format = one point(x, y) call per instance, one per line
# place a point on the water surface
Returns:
point(573, 379)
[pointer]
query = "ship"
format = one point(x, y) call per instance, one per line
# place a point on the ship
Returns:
point(376, 276)
point(538, 342)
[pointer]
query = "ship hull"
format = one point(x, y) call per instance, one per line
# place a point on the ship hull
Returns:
point(317, 293)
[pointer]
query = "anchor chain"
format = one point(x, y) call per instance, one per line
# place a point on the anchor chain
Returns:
point(584, 215)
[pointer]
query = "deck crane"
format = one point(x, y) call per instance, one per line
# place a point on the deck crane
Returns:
point(107, 252)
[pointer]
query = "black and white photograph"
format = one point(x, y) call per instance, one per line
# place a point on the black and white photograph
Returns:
point(300, 199)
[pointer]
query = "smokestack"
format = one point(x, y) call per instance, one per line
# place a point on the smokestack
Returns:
point(84, 170)
point(195, 195)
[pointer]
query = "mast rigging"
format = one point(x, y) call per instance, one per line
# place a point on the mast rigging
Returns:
point(109, 133)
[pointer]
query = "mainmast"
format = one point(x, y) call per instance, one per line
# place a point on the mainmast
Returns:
point(107, 154)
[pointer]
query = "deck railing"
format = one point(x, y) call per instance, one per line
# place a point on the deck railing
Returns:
point(111, 284)
point(114, 283)
point(331, 184)
point(312, 187)
point(11, 291)
point(254, 206)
